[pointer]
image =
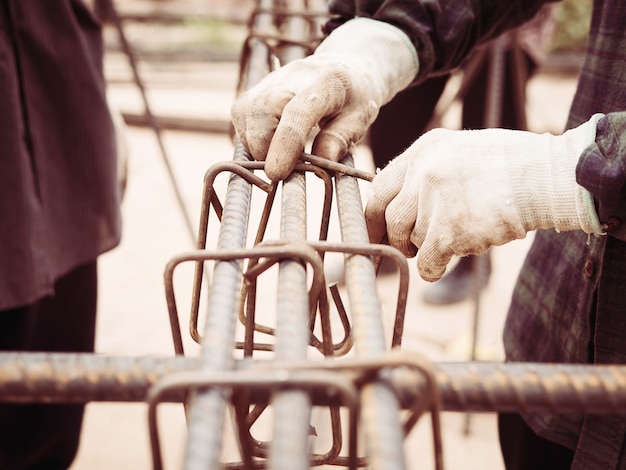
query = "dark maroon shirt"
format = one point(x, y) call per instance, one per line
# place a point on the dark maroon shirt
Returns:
point(59, 199)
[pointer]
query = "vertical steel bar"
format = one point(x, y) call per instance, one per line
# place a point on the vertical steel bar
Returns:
point(379, 409)
point(292, 408)
point(207, 408)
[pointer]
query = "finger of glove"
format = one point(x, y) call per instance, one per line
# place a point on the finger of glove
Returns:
point(401, 217)
point(337, 135)
point(433, 257)
point(300, 115)
point(439, 229)
point(444, 231)
point(385, 187)
point(256, 114)
point(432, 234)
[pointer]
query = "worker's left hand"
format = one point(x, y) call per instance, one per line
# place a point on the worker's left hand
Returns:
point(460, 192)
point(338, 89)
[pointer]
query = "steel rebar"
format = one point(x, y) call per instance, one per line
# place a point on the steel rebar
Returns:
point(463, 386)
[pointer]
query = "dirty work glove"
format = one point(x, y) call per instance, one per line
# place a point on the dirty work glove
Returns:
point(358, 68)
point(460, 192)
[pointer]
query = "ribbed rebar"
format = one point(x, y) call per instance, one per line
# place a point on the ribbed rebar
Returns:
point(463, 386)
point(292, 408)
point(529, 387)
point(207, 409)
point(382, 429)
point(80, 378)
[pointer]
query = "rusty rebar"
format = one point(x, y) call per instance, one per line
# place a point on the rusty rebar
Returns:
point(463, 386)
point(379, 411)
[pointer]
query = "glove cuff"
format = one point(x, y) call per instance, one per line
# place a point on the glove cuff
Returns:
point(381, 51)
point(544, 183)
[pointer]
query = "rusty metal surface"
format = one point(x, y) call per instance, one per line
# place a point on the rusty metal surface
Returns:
point(207, 408)
point(292, 253)
point(463, 386)
point(418, 384)
point(292, 407)
point(289, 447)
point(382, 429)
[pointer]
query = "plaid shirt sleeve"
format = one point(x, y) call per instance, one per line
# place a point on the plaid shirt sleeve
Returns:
point(602, 171)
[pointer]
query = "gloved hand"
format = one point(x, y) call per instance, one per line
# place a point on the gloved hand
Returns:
point(340, 87)
point(460, 192)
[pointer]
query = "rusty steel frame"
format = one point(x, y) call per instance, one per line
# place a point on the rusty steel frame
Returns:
point(302, 366)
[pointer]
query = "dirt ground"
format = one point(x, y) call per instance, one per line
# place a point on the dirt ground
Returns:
point(133, 314)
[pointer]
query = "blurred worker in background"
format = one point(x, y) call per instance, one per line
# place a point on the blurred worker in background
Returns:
point(459, 192)
point(59, 206)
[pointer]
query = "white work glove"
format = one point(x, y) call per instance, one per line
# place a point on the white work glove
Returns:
point(460, 192)
point(358, 68)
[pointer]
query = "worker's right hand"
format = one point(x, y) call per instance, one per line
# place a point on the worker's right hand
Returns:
point(461, 192)
point(339, 88)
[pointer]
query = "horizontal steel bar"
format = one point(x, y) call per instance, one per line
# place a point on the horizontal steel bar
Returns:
point(468, 386)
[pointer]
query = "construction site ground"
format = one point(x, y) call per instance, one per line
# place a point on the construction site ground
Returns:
point(132, 306)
